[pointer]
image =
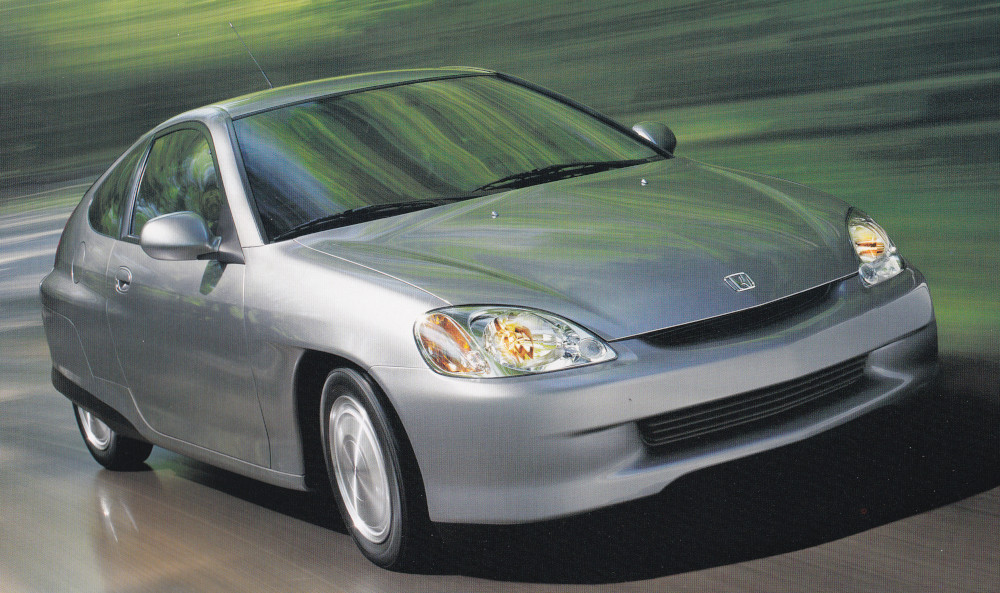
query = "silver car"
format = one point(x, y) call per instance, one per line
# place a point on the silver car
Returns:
point(456, 297)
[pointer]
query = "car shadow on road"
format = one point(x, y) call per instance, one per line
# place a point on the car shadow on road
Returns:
point(893, 464)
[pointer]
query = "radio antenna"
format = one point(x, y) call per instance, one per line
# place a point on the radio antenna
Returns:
point(251, 55)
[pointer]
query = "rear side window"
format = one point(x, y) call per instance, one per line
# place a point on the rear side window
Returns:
point(180, 175)
point(109, 199)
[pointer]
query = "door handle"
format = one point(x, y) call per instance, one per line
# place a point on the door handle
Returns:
point(123, 279)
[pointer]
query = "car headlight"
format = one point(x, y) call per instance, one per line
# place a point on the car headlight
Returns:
point(879, 260)
point(501, 341)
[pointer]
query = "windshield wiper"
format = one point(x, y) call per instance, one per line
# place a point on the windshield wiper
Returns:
point(360, 214)
point(526, 178)
point(556, 172)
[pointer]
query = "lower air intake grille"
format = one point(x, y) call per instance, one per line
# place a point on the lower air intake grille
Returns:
point(723, 414)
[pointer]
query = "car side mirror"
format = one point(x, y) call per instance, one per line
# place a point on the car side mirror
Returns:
point(178, 236)
point(657, 133)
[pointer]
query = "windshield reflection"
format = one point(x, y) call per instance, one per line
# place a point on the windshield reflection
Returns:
point(422, 141)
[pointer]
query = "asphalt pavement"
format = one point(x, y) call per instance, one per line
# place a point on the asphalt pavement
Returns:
point(906, 499)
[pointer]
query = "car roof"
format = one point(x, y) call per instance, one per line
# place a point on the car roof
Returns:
point(305, 91)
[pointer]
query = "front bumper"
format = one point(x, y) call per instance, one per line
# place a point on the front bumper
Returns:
point(530, 448)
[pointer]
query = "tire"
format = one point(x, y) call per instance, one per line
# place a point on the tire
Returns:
point(110, 449)
point(375, 488)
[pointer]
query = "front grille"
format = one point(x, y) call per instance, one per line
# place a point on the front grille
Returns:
point(740, 322)
point(752, 406)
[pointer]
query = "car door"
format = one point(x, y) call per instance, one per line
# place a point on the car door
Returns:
point(90, 263)
point(178, 326)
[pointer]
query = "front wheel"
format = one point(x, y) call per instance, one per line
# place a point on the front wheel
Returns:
point(110, 449)
point(365, 463)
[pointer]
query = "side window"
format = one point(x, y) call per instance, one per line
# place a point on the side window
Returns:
point(180, 175)
point(109, 199)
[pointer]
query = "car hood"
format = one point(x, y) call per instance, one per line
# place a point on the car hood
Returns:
point(622, 252)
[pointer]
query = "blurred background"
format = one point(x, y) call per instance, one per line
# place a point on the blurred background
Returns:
point(892, 106)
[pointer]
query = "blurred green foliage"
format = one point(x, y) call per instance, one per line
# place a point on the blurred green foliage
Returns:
point(105, 38)
point(893, 106)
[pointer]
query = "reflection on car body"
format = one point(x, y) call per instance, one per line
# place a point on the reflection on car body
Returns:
point(457, 297)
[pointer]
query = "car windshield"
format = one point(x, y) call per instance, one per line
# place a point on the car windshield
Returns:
point(364, 155)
